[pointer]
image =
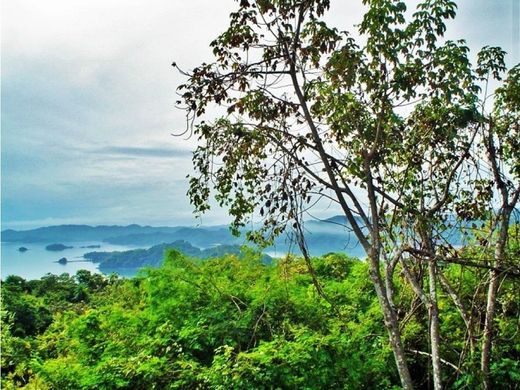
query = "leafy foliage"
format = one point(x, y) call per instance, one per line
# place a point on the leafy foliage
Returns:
point(229, 323)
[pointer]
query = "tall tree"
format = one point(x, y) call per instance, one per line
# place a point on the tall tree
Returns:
point(383, 128)
point(501, 139)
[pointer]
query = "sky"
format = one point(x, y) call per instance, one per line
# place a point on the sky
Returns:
point(88, 96)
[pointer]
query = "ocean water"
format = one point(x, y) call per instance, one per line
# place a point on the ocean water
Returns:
point(37, 261)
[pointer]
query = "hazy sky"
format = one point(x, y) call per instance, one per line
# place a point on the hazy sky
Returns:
point(88, 102)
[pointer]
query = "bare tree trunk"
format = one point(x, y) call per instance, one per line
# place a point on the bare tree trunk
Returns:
point(488, 329)
point(507, 207)
point(384, 296)
point(487, 337)
point(435, 339)
point(391, 324)
point(430, 301)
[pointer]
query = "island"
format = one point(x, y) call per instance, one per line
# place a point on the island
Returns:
point(63, 260)
point(153, 257)
point(57, 247)
point(22, 249)
point(91, 246)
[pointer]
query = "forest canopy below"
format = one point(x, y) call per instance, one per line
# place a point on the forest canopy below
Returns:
point(230, 323)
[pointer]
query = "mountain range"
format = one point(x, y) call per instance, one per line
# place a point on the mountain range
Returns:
point(323, 236)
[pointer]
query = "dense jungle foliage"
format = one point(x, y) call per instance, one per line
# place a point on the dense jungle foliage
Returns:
point(230, 323)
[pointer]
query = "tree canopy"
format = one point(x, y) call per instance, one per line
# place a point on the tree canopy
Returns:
point(394, 126)
point(234, 323)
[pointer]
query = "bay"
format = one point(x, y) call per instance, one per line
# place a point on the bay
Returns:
point(37, 261)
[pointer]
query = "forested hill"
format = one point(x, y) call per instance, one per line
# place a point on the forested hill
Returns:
point(154, 256)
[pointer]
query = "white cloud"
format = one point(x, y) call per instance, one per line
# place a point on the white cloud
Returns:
point(84, 76)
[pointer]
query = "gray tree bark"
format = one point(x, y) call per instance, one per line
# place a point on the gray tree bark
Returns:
point(435, 338)
point(487, 337)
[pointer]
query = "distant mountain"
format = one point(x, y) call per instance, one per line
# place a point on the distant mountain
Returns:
point(202, 237)
point(70, 233)
point(154, 256)
point(322, 236)
point(124, 235)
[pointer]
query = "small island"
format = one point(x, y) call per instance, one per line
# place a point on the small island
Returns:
point(57, 247)
point(63, 260)
point(91, 246)
point(22, 249)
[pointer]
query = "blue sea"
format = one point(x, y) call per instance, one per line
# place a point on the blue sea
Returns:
point(38, 261)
